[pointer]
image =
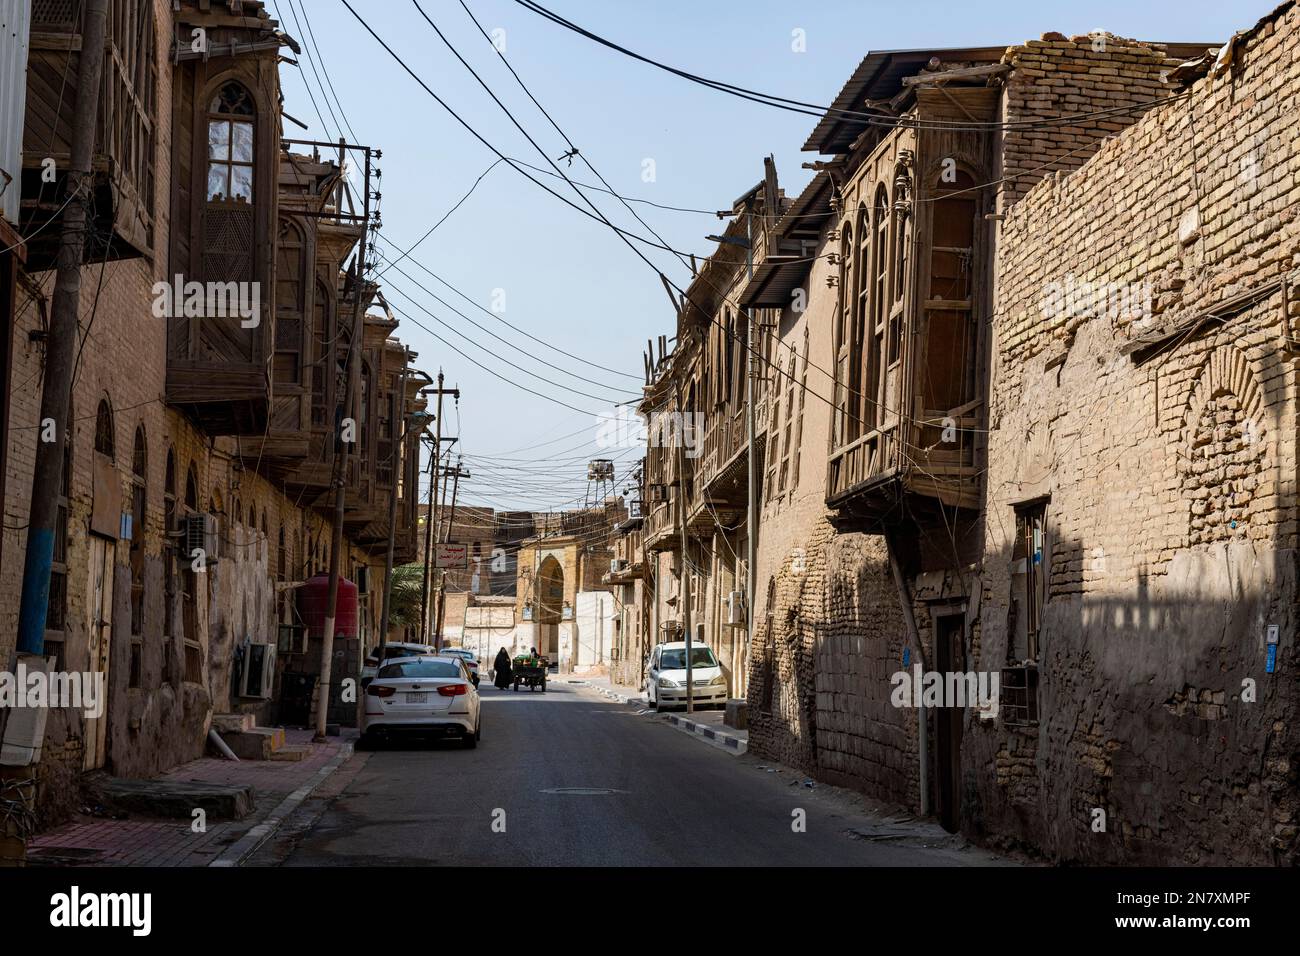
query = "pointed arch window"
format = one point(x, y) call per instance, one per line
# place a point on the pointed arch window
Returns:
point(139, 500)
point(231, 116)
point(104, 429)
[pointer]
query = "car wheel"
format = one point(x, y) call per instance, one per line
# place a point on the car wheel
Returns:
point(651, 700)
point(471, 740)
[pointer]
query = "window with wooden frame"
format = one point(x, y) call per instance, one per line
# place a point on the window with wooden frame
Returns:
point(193, 660)
point(170, 530)
point(139, 498)
point(875, 397)
point(846, 387)
point(229, 236)
point(774, 430)
point(798, 421)
point(787, 426)
point(104, 435)
point(950, 370)
point(232, 113)
point(290, 285)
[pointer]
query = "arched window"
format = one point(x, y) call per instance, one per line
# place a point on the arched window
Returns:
point(139, 499)
point(874, 394)
point(189, 589)
point(104, 433)
point(192, 489)
point(169, 562)
point(231, 115)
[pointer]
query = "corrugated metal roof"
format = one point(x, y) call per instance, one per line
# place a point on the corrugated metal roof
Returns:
point(14, 26)
point(880, 77)
point(778, 275)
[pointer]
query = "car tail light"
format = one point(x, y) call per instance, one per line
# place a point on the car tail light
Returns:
point(453, 690)
point(377, 691)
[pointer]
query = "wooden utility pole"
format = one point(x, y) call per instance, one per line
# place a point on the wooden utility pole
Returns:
point(428, 536)
point(340, 462)
point(435, 468)
point(686, 564)
point(18, 784)
point(400, 437)
point(456, 475)
point(61, 340)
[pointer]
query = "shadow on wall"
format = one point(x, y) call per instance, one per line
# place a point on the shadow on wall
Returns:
point(1156, 719)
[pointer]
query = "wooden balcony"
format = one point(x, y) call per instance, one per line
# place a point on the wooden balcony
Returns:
point(125, 142)
point(660, 528)
point(870, 476)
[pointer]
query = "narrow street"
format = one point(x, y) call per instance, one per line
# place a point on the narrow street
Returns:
point(675, 800)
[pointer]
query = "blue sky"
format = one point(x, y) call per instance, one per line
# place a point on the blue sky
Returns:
point(566, 279)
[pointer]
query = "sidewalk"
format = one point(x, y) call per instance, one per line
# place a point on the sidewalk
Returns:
point(278, 787)
point(706, 723)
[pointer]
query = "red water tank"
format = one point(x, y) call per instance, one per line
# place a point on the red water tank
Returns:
point(313, 599)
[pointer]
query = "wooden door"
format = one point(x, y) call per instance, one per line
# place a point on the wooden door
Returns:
point(95, 752)
point(949, 633)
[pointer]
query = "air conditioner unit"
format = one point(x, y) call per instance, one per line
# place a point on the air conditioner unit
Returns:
point(616, 565)
point(258, 675)
point(736, 609)
point(657, 493)
point(202, 532)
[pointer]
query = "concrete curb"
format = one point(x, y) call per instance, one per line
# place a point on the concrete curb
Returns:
point(250, 842)
point(732, 743)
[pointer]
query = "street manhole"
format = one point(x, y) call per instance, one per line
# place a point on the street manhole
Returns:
point(582, 791)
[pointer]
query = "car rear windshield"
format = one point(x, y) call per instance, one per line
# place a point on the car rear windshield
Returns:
point(391, 651)
point(674, 659)
point(431, 667)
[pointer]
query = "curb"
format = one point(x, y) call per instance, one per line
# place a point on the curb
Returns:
point(250, 842)
point(733, 744)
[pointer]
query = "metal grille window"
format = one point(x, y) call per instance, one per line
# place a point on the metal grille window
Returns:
point(1029, 578)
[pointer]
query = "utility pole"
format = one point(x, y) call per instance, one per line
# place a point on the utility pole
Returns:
point(457, 474)
point(751, 519)
point(428, 538)
point(434, 469)
point(61, 340)
point(686, 572)
point(401, 439)
point(18, 783)
point(341, 460)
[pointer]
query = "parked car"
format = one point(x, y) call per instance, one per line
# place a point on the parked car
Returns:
point(468, 656)
point(666, 682)
point(426, 695)
point(392, 650)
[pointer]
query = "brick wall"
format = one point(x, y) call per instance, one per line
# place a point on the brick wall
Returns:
point(1171, 521)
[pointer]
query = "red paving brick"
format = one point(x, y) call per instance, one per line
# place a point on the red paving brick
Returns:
point(146, 842)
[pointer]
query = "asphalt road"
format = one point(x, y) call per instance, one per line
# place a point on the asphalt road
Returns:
point(675, 800)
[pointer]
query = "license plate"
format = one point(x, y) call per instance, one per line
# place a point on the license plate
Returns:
point(417, 698)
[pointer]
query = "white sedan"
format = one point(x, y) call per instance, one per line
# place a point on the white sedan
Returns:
point(429, 696)
point(666, 681)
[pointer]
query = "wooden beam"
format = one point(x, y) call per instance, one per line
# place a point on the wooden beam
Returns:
point(964, 73)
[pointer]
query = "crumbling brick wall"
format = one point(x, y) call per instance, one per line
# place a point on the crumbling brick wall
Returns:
point(1171, 476)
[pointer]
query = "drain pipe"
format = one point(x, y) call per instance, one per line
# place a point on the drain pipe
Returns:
point(922, 725)
point(221, 745)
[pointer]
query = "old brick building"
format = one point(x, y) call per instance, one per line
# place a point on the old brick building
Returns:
point(194, 423)
point(1028, 401)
